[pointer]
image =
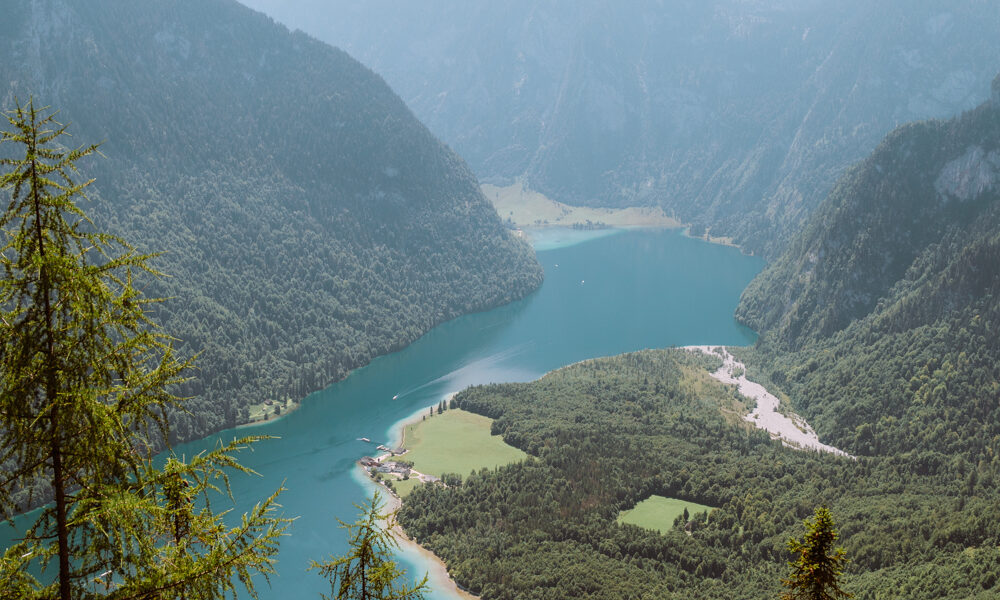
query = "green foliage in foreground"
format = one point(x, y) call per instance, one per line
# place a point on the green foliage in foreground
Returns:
point(659, 513)
point(456, 441)
point(84, 378)
point(609, 433)
point(368, 572)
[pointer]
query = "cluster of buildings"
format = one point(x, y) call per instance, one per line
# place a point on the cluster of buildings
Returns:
point(373, 465)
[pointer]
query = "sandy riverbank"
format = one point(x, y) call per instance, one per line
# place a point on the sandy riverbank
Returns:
point(792, 430)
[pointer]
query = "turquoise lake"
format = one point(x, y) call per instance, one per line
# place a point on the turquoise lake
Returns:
point(604, 293)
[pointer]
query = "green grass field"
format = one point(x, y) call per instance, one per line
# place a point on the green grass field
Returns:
point(403, 488)
point(659, 513)
point(456, 441)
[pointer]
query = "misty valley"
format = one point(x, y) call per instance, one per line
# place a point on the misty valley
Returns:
point(533, 300)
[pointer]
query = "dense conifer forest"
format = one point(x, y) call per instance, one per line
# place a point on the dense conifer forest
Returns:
point(608, 433)
point(308, 222)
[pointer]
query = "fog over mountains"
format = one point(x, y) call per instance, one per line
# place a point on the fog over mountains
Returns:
point(734, 115)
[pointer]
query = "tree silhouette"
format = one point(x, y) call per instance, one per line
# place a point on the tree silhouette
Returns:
point(368, 572)
point(815, 573)
point(85, 382)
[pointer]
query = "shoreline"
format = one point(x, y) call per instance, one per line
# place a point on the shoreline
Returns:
point(438, 578)
point(524, 207)
point(527, 209)
point(290, 407)
point(396, 434)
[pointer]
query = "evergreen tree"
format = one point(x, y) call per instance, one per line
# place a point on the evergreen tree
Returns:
point(368, 572)
point(815, 574)
point(85, 382)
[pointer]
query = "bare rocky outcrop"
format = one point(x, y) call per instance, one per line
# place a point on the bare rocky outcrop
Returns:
point(970, 175)
point(791, 429)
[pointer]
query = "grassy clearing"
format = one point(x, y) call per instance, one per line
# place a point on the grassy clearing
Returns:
point(659, 513)
point(733, 406)
point(262, 412)
point(528, 208)
point(403, 488)
point(456, 441)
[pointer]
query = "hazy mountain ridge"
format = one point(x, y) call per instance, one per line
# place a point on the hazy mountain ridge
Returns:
point(310, 221)
point(881, 319)
point(734, 115)
point(926, 181)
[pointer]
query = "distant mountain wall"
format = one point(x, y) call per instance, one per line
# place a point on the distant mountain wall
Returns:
point(733, 115)
point(310, 221)
point(882, 318)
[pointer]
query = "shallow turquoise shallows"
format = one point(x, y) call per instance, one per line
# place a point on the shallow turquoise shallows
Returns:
point(603, 294)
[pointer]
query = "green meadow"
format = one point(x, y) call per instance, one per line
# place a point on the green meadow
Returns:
point(456, 441)
point(403, 488)
point(659, 513)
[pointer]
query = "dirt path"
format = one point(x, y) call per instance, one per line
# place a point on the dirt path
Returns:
point(793, 431)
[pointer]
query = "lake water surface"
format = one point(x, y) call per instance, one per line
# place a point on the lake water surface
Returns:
point(604, 293)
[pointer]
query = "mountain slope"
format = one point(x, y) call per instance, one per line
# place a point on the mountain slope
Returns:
point(731, 114)
point(310, 222)
point(882, 318)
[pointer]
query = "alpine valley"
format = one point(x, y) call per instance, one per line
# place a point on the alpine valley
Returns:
point(879, 324)
point(737, 116)
point(330, 262)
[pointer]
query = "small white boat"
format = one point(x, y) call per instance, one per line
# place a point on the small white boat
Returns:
point(396, 396)
point(365, 440)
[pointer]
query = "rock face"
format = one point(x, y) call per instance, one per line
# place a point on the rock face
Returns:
point(882, 316)
point(969, 176)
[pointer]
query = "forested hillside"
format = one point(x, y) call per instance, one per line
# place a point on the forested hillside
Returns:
point(309, 221)
point(733, 115)
point(882, 319)
point(608, 433)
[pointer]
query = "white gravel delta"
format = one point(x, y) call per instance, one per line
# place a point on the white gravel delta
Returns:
point(792, 430)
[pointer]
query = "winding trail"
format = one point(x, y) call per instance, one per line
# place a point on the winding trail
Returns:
point(793, 431)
